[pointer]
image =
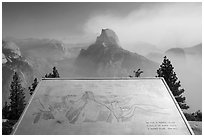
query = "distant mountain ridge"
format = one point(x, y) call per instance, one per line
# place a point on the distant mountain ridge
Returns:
point(194, 50)
point(10, 49)
point(107, 57)
point(182, 53)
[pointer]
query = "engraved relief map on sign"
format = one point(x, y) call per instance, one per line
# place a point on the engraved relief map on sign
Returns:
point(137, 106)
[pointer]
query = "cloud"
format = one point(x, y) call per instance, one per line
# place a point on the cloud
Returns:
point(164, 25)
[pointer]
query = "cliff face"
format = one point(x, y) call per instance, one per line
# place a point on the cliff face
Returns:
point(107, 58)
point(107, 38)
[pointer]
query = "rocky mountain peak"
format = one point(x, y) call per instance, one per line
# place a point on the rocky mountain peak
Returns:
point(11, 49)
point(108, 38)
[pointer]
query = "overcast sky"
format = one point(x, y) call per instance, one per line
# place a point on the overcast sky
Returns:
point(162, 24)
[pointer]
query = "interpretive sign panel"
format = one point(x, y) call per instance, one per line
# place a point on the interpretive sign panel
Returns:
point(102, 106)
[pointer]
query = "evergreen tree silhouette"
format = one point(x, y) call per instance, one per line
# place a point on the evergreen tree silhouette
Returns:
point(34, 85)
point(54, 74)
point(166, 71)
point(5, 111)
point(17, 98)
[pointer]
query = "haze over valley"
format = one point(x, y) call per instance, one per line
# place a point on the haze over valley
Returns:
point(103, 40)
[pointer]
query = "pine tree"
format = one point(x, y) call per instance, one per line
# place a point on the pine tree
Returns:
point(198, 115)
point(46, 76)
point(34, 85)
point(5, 111)
point(54, 74)
point(17, 98)
point(166, 71)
